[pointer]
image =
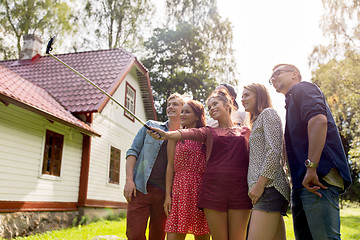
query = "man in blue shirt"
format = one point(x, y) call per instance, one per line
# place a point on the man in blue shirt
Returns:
point(146, 163)
point(318, 165)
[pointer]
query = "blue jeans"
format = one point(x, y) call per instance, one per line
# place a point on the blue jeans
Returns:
point(315, 217)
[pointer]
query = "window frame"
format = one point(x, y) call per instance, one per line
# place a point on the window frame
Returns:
point(51, 174)
point(126, 114)
point(112, 170)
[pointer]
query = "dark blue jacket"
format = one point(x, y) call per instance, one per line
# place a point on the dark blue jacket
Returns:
point(304, 101)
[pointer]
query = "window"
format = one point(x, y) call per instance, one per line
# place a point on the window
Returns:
point(114, 169)
point(52, 153)
point(130, 101)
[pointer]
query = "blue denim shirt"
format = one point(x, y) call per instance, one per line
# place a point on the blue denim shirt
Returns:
point(304, 101)
point(145, 149)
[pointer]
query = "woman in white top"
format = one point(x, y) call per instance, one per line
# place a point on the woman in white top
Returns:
point(269, 188)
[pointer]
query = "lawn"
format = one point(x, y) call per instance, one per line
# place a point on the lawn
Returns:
point(350, 218)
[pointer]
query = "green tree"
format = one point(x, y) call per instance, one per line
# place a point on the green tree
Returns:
point(338, 79)
point(215, 32)
point(40, 17)
point(337, 72)
point(120, 23)
point(177, 63)
point(341, 24)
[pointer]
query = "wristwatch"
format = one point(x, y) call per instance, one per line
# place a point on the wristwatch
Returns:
point(310, 164)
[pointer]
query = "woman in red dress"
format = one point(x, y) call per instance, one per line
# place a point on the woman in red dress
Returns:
point(188, 164)
point(224, 192)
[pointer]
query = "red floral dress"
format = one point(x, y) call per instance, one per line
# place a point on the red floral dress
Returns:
point(189, 166)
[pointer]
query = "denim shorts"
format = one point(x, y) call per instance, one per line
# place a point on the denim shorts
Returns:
point(272, 201)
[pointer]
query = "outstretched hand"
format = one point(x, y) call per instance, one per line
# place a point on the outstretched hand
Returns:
point(311, 182)
point(156, 133)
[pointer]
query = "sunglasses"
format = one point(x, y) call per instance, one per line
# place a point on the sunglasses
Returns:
point(277, 73)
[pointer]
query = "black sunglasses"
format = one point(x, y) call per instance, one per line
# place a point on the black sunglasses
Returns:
point(277, 74)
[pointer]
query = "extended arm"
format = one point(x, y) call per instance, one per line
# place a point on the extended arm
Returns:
point(159, 134)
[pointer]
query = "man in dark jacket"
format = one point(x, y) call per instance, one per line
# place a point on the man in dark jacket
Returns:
point(318, 165)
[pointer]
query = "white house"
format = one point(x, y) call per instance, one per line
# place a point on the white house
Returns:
point(63, 142)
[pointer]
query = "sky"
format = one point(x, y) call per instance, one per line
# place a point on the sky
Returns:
point(269, 32)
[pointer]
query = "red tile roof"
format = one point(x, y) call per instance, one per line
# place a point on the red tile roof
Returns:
point(106, 68)
point(16, 90)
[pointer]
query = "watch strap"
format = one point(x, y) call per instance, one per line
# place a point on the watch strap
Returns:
point(309, 163)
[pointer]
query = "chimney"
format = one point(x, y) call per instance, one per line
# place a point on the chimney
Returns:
point(31, 47)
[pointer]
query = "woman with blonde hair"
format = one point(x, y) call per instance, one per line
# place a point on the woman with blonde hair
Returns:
point(269, 189)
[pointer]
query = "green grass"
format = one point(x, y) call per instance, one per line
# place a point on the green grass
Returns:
point(350, 230)
point(350, 218)
point(84, 232)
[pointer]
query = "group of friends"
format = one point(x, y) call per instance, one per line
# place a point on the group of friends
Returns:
point(228, 177)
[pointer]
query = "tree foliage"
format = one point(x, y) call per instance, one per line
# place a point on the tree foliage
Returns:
point(215, 32)
point(337, 72)
point(40, 17)
point(120, 23)
point(177, 63)
point(341, 24)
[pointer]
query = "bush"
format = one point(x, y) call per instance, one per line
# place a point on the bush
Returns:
point(84, 220)
point(116, 216)
point(74, 222)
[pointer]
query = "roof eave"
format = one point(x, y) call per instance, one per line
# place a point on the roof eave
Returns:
point(48, 116)
point(146, 73)
point(121, 78)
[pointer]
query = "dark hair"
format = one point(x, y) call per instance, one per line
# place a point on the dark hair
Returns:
point(199, 112)
point(232, 93)
point(263, 99)
point(223, 96)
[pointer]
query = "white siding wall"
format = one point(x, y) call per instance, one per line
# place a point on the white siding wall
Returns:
point(22, 137)
point(118, 131)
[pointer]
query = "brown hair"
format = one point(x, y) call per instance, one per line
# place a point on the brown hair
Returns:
point(223, 96)
point(231, 91)
point(289, 66)
point(263, 99)
point(199, 112)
